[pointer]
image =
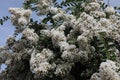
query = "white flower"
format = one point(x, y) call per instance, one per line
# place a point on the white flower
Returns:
point(48, 54)
point(39, 63)
point(110, 10)
point(44, 6)
point(94, 6)
point(105, 22)
point(107, 71)
point(63, 69)
point(58, 16)
point(87, 8)
point(41, 69)
point(27, 13)
point(82, 42)
point(97, 14)
point(95, 76)
point(57, 37)
point(46, 32)
point(63, 46)
point(71, 54)
point(55, 10)
point(11, 40)
point(22, 21)
point(44, 68)
point(45, 2)
point(84, 16)
point(30, 35)
point(61, 28)
point(20, 17)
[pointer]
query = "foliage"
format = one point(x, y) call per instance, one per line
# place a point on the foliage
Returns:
point(5, 18)
point(105, 47)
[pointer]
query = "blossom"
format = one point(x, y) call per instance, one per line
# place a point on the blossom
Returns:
point(93, 6)
point(22, 21)
point(20, 18)
point(11, 40)
point(63, 69)
point(39, 63)
point(46, 33)
point(97, 14)
point(44, 6)
point(71, 54)
point(110, 10)
point(30, 35)
point(57, 37)
point(108, 70)
point(55, 10)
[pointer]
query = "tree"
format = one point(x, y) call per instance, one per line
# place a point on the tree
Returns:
point(75, 40)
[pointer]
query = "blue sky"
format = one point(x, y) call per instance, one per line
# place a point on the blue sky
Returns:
point(114, 2)
point(7, 29)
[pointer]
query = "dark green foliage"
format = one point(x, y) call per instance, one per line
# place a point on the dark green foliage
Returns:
point(44, 42)
point(36, 26)
point(30, 5)
point(48, 19)
point(73, 6)
point(19, 68)
point(105, 47)
point(5, 18)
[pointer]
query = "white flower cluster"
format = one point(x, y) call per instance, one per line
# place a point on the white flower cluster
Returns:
point(63, 69)
point(2, 58)
point(84, 24)
point(66, 55)
point(69, 52)
point(5, 56)
point(39, 62)
point(98, 14)
point(87, 25)
point(43, 6)
point(46, 33)
point(46, 6)
point(110, 10)
point(11, 40)
point(20, 17)
point(55, 10)
point(108, 71)
point(30, 35)
point(57, 37)
point(93, 6)
point(63, 16)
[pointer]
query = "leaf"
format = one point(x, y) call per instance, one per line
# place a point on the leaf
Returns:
point(1, 21)
point(45, 20)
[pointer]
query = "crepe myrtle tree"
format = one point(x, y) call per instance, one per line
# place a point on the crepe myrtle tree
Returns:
point(73, 40)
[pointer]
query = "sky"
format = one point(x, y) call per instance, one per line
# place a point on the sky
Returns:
point(7, 29)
